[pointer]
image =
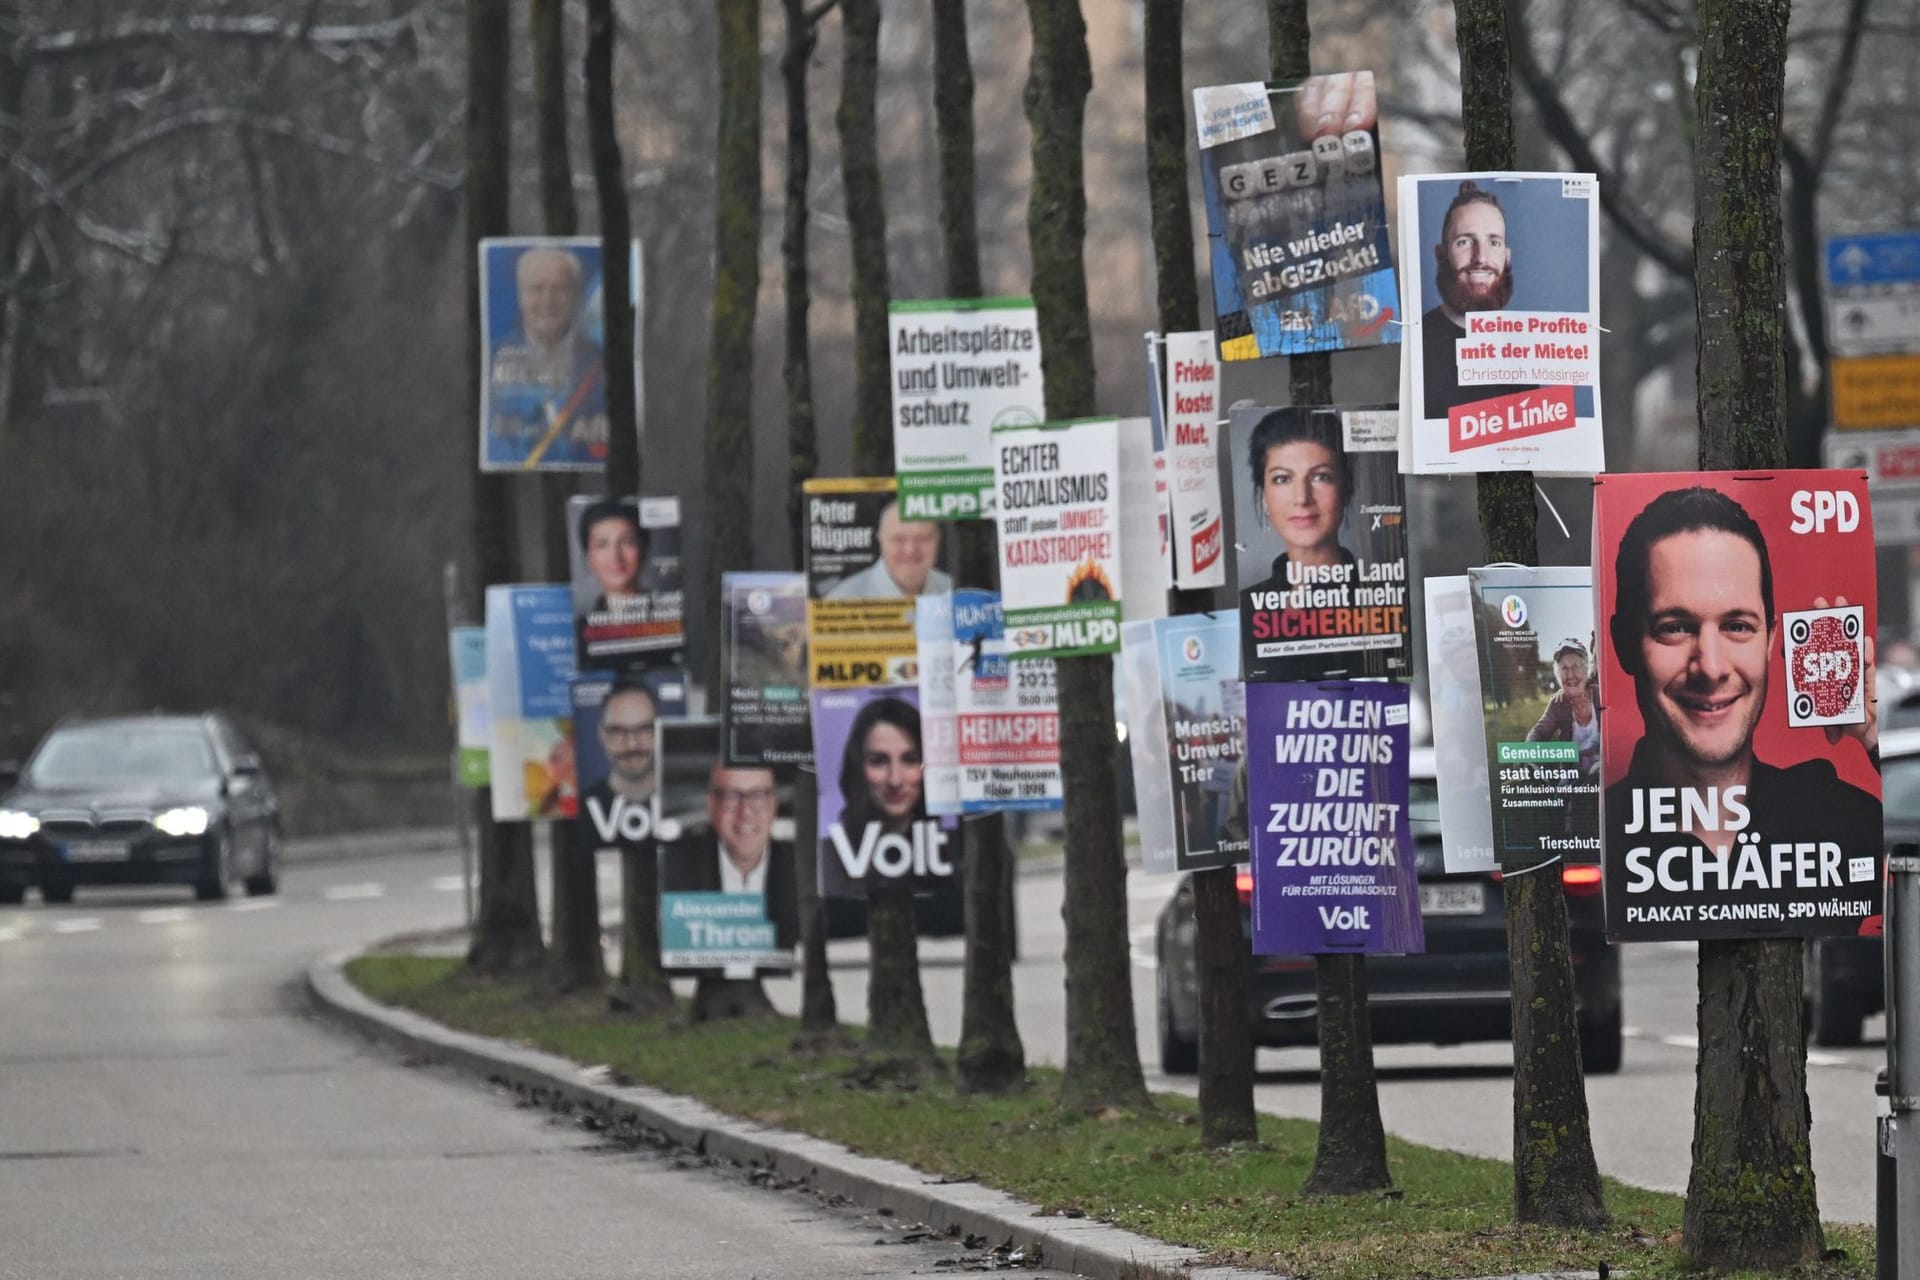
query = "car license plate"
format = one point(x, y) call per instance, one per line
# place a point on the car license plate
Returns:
point(97, 851)
point(1452, 899)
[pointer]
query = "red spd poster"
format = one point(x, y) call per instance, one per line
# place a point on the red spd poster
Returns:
point(1740, 784)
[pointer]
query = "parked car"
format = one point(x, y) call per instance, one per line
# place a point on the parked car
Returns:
point(157, 799)
point(1456, 992)
point(1844, 977)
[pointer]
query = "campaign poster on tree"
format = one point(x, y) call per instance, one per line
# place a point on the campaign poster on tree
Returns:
point(1321, 543)
point(1006, 714)
point(1206, 725)
point(1146, 566)
point(729, 901)
point(627, 581)
point(764, 630)
point(543, 395)
point(1333, 865)
point(874, 825)
point(1502, 280)
point(1460, 769)
point(866, 564)
point(1533, 634)
point(1296, 216)
point(530, 662)
point(961, 367)
point(1741, 789)
point(1192, 413)
point(1146, 745)
point(467, 647)
point(616, 721)
point(1059, 525)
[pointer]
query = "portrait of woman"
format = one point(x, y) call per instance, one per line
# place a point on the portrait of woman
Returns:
point(1569, 716)
point(1301, 487)
point(881, 770)
point(615, 547)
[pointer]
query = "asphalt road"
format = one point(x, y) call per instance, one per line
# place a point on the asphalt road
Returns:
point(169, 1108)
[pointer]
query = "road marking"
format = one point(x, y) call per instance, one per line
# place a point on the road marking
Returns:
point(449, 884)
point(84, 924)
point(163, 915)
point(1680, 1042)
point(1140, 946)
point(254, 904)
point(1827, 1060)
point(10, 934)
point(347, 892)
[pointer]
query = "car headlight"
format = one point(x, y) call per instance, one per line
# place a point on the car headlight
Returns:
point(17, 825)
point(190, 820)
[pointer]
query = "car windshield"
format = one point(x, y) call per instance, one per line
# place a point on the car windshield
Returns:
point(1423, 806)
point(1900, 788)
point(99, 753)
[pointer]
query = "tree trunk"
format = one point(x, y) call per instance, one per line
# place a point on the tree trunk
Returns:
point(819, 1014)
point(1352, 1153)
point(736, 287)
point(1220, 943)
point(722, 999)
point(1103, 1058)
point(1750, 1195)
point(643, 984)
point(991, 1059)
point(616, 240)
point(506, 930)
point(896, 1007)
point(797, 366)
point(867, 237)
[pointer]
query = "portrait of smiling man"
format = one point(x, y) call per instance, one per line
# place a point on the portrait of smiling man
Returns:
point(735, 852)
point(1473, 271)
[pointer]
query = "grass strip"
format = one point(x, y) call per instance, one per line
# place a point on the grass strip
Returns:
point(1448, 1215)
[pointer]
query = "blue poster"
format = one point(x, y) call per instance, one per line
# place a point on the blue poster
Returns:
point(543, 392)
point(530, 663)
point(1206, 718)
point(1333, 867)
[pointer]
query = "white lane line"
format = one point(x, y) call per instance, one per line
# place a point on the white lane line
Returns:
point(449, 884)
point(9, 934)
point(1680, 1042)
point(1140, 946)
point(163, 915)
point(347, 892)
point(83, 924)
point(1827, 1060)
point(254, 904)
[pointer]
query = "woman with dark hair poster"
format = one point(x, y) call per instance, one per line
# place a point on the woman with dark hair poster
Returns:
point(874, 826)
point(1320, 510)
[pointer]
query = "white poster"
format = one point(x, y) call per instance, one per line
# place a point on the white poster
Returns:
point(1459, 729)
point(1145, 572)
point(1193, 460)
point(1146, 720)
point(961, 367)
point(1057, 489)
point(939, 713)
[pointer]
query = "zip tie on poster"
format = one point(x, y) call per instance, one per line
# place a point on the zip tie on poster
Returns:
point(1508, 875)
point(1564, 532)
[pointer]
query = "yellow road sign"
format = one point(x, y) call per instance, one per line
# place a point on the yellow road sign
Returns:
point(1876, 392)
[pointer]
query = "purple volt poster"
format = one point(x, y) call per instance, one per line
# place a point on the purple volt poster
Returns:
point(1332, 857)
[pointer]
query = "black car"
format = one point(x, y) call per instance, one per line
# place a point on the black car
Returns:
point(153, 799)
point(1845, 978)
point(1454, 993)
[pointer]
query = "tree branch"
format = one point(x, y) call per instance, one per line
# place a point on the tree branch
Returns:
point(72, 44)
point(1839, 80)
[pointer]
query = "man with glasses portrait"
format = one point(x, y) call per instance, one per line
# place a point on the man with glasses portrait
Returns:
point(735, 852)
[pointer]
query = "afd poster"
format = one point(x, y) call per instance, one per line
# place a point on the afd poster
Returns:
point(627, 581)
point(1296, 216)
point(991, 726)
point(616, 728)
point(1146, 746)
point(1059, 526)
point(1502, 280)
point(866, 564)
point(1321, 554)
point(1333, 866)
point(530, 661)
point(875, 827)
point(961, 367)
point(764, 631)
point(1459, 728)
point(1205, 719)
point(728, 896)
point(1533, 635)
point(543, 395)
point(1192, 414)
point(1741, 789)
point(468, 649)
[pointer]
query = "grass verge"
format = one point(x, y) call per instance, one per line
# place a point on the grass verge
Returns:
point(1449, 1215)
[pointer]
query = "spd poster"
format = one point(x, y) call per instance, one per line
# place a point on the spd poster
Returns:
point(866, 564)
point(530, 661)
point(1533, 632)
point(765, 635)
point(1333, 866)
point(961, 367)
point(1192, 414)
point(1321, 556)
point(1502, 363)
point(1296, 216)
point(1060, 536)
point(1741, 790)
point(874, 825)
point(625, 555)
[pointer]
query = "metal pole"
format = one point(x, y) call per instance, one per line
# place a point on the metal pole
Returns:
point(450, 598)
point(1902, 933)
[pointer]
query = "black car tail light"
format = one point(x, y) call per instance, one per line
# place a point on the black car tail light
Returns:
point(1582, 880)
point(1243, 885)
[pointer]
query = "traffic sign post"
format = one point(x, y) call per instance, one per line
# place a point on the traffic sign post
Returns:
point(1891, 460)
point(1873, 293)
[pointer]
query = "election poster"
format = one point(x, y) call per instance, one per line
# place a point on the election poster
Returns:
point(764, 632)
point(961, 367)
point(1146, 568)
point(1740, 782)
point(468, 648)
point(1296, 216)
point(729, 900)
point(993, 722)
point(1502, 302)
point(616, 721)
point(1205, 719)
point(866, 564)
point(1333, 864)
point(530, 661)
point(1459, 728)
point(1146, 746)
point(627, 580)
point(1321, 543)
point(1192, 413)
point(543, 395)
point(1533, 634)
point(1060, 534)
point(875, 828)
point(1157, 420)
point(939, 703)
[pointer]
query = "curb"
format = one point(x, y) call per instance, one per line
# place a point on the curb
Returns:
point(1077, 1245)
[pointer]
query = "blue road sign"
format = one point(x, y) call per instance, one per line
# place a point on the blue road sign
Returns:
point(1891, 257)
